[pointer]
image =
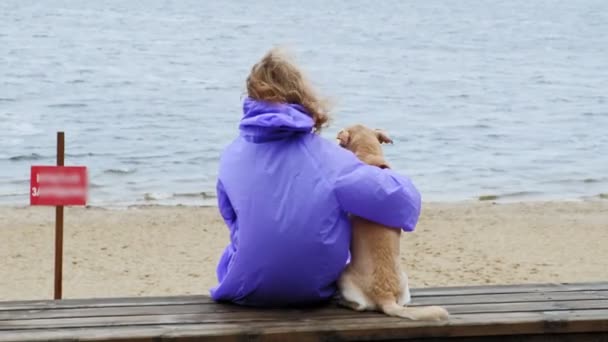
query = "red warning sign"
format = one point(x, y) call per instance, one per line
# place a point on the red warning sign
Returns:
point(58, 185)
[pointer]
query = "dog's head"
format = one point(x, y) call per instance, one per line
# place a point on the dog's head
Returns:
point(364, 142)
point(359, 134)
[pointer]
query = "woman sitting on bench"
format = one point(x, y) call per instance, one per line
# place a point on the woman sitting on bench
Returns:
point(285, 194)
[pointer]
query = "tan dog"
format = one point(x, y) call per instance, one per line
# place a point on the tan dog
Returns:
point(374, 280)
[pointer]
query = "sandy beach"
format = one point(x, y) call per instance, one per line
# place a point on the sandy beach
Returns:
point(142, 251)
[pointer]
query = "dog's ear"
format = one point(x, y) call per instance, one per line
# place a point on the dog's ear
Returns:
point(383, 137)
point(343, 137)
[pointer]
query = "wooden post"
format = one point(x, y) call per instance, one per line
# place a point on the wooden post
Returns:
point(59, 224)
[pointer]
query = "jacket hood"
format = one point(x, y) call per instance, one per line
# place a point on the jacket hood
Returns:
point(265, 121)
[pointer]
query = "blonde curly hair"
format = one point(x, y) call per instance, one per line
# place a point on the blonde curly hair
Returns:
point(276, 78)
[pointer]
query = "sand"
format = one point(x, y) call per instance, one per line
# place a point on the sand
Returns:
point(146, 251)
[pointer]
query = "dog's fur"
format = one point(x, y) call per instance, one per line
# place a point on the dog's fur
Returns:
point(374, 280)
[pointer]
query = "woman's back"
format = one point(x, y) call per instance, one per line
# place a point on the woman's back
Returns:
point(291, 235)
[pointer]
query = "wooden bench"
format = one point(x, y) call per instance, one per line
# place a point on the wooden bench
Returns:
point(540, 312)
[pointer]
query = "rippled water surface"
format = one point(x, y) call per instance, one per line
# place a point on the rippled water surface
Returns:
point(500, 98)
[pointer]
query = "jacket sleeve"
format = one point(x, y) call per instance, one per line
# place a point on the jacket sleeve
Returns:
point(379, 195)
point(224, 205)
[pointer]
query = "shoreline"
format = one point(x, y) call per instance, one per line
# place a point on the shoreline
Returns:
point(208, 198)
point(173, 250)
point(493, 199)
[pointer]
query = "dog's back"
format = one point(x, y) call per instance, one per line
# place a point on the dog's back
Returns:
point(377, 257)
point(374, 279)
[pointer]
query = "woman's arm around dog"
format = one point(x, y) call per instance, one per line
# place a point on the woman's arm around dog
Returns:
point(379, 195)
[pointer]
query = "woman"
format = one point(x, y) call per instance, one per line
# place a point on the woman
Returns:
point(285, 194)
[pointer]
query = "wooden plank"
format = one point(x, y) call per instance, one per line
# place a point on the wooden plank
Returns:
point(103, 302)
point(383, 328)
point(460, 309)
point(223, 308)
point(119, 337)
point(514, 288)
point(226, 312)
point(203, 299)
point(194, 318)
point(363, 328)
point(7, 310)
point(525, 298)
point(216, 308)
point(196, 315)
point(578, 337)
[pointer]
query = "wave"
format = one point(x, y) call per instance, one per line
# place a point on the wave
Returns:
point(145, 157)
point(36, 156)
point(7, 99)
point(517, 194)
point(19, 181)
point(123, 171)
point(14, 194)
point(31, 156)
point(459, 96)
point(26, 75)
point(203, 194)
point(577, 181)
point(496, 136)
point(207, 158)
point(95, 185)
point(242, 26)
point(67, 105)
point(601, 196)
point(595, 114)
point(151, 196)
point(88, 154)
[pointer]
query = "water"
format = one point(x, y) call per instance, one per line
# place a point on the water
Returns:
point(482, 98)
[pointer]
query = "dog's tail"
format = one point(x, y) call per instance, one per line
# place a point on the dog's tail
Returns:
point(420, 313)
